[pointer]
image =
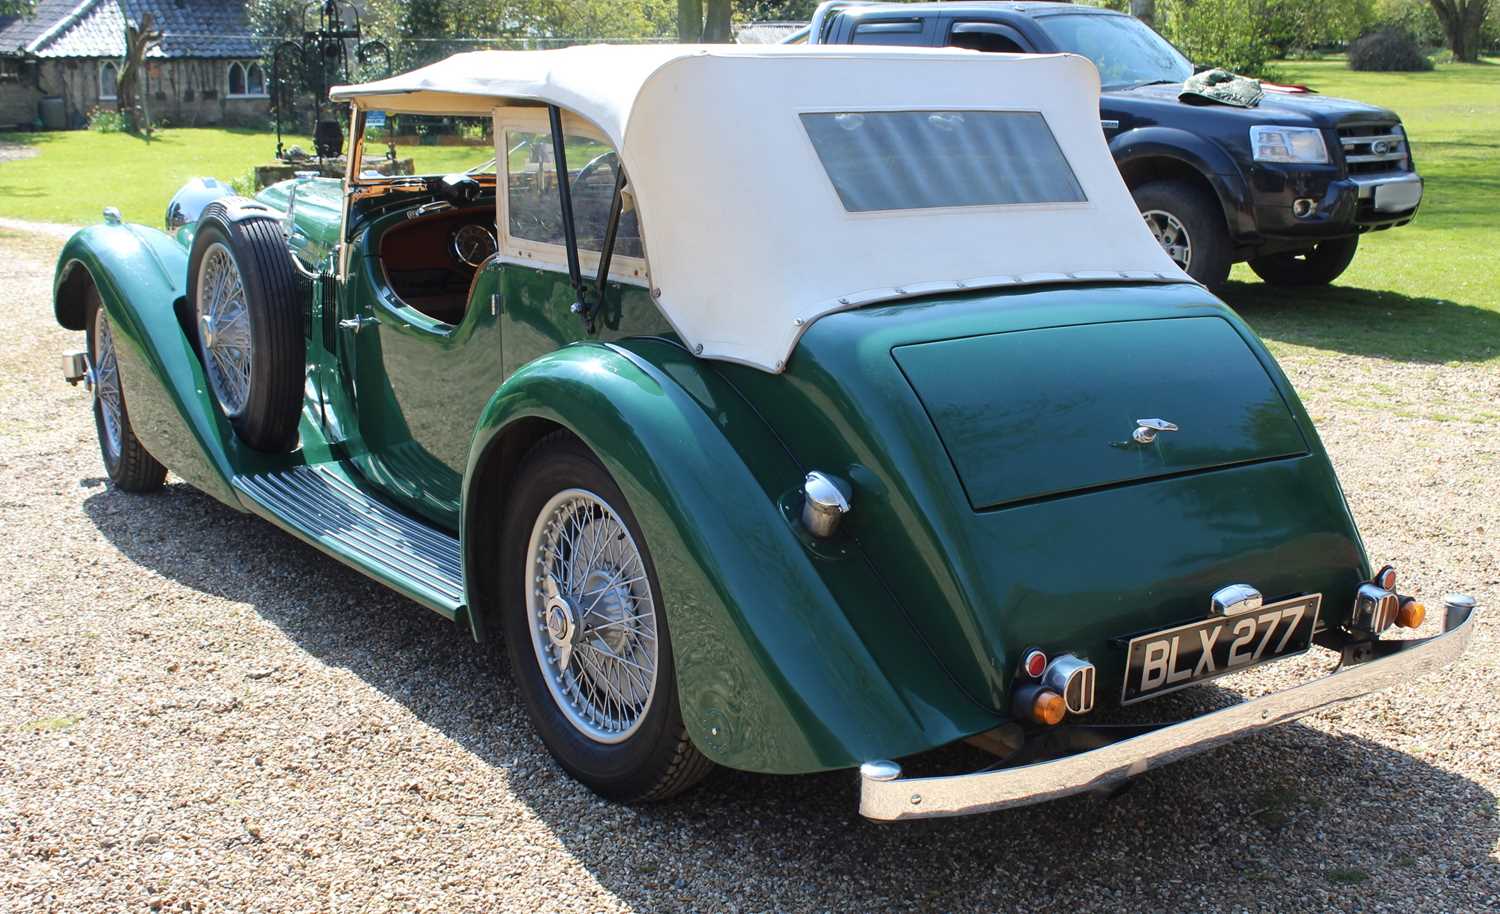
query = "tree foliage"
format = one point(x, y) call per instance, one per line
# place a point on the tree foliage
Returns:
point(16, 7)
point(1387, 50)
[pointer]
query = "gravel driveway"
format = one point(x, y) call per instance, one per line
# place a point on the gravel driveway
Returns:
point(200, 713)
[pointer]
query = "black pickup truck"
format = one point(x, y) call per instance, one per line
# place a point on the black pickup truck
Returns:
point(1288, 185)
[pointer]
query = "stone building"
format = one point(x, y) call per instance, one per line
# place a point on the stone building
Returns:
point(63, 61)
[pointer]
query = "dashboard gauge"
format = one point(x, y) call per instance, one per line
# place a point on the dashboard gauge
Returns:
point(473, 244)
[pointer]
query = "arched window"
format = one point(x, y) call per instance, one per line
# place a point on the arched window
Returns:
point(109, 80)
point(255, 80)
point(236, 79)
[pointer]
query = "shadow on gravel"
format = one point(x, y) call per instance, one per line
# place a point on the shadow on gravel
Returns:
point(1337, 821)
point(1369, 322)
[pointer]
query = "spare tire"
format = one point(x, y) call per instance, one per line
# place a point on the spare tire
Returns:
point(247, 303)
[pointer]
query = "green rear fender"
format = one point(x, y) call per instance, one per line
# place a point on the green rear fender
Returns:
point(140, 274)
point(789, 656)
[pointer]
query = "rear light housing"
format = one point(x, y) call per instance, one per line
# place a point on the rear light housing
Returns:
point(1375, 609)
point(1073, 679)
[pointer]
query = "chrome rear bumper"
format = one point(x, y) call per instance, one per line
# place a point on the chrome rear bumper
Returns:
point(885, 795)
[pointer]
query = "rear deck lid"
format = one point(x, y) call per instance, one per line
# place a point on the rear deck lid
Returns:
point(1041, 413)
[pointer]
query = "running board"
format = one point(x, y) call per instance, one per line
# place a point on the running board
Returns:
point(326, 506)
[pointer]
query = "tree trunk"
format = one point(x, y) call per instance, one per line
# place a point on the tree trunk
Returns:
point(1144, 10)
point(694, 25)
point(716, 28)
point(1461, 21)
point(690, 21)
point(138, 41)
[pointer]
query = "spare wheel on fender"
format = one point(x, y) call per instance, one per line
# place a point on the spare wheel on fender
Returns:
point(247, 300)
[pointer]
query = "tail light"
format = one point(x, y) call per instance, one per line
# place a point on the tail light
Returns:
point(1034, 664)
point(1040, 705)
point(1410, 614)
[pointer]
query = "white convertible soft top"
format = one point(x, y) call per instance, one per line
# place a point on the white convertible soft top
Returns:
point(747, 240)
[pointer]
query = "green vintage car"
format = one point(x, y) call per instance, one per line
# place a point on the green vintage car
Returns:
point(787, 409)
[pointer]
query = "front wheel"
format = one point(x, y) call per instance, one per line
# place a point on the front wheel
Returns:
point(1188, 222)
point(585, 630)
point(126, 460)
point(1318, 267)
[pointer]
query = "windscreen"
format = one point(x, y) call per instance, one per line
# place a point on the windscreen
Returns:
point(426, 144)
point(902, 160)
point(1124, 49)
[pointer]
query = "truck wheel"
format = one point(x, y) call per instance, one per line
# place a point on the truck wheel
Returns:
point(126, 461)
point(1189, 225)
point(586, 633)
point(248, 308)
point(1317, 267)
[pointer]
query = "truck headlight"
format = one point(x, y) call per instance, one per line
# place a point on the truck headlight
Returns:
point(1288, 144)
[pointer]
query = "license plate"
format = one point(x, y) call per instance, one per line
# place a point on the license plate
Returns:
point(1166, 661)
point(1397, 197)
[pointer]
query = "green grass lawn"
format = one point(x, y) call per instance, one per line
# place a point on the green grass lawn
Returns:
point(1427, 292)
point(77, 173)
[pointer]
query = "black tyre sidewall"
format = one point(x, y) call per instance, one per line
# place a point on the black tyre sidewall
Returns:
point(1325, 263)
point(1202, 217)
point(272, 297)
point(627, 770)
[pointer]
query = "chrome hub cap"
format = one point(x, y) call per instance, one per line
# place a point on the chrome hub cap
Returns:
point(592, 617)
point(224, 326)
point(1171, 235)
point(105, 377)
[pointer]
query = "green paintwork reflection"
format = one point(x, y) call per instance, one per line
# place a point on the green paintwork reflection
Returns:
point(1070, 573)
point(319, 209)
point(419, 385)
point(1028, 414)
point(799, 661)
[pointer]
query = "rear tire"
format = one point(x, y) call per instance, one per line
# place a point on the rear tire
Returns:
point(248, 305)
point(126, 460)
point(1318, 267)
point(602, 694)
point(1188, 223)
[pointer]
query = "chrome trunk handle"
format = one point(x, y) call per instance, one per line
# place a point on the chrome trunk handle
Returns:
point(1146, 430)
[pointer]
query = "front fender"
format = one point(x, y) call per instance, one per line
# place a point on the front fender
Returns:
point(140, 274)
point(790, 658)
point(1202, 155)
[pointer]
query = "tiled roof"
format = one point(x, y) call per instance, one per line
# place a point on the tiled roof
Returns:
point(198, 28)
point(55, 19)
point(96, 28)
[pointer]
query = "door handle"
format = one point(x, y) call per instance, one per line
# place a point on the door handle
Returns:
point(357, 324)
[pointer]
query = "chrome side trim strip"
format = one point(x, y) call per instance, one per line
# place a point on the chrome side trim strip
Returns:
point(887, 798)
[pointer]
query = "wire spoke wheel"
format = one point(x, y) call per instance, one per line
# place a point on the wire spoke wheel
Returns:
point(591, 616)
point(107, 389)
point(1172, 235)
point(224, 325)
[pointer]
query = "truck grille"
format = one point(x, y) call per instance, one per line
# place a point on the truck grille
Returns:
point(1372, 149)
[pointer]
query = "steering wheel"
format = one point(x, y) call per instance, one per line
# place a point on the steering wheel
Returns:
point(598, 163)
